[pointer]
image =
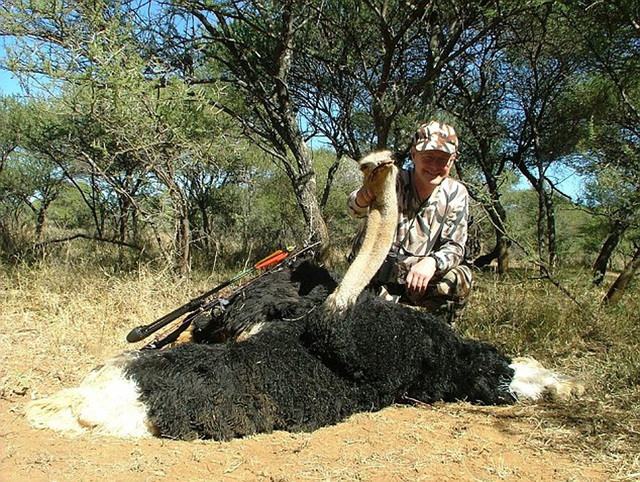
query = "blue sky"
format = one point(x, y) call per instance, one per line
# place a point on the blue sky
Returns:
point(9, 84)
point(564, 178)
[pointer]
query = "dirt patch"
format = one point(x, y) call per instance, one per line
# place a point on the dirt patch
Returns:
point(441, 442)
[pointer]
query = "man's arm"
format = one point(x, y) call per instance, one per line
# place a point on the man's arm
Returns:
point(450, 252)
point(454, 234)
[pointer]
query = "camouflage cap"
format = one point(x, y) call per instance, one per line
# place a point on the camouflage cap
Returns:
point(436, 136)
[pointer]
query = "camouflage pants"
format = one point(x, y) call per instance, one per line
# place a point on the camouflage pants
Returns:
point(446, 294)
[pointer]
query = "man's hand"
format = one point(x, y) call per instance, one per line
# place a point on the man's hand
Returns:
point(364, 197)
point(420, 274)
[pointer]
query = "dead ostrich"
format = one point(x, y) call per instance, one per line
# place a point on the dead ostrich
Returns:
point(312, 353)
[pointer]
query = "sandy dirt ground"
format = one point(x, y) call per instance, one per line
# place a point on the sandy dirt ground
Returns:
point(443, 442)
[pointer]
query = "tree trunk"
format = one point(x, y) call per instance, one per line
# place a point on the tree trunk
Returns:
point(303, 178)
point(134, 225)
point(622, 281)
point(206, 227)
point(305, 190)
point(183, 244)
point(541, 222)
point(500, 251)
point(125, 207)
point(41, 215)
point(327, 186)
point(96, 207)
point(182, 248)
point(600, 266)
point(41, 220)
point(494, 209)
point(503, 245)
point(552, 244)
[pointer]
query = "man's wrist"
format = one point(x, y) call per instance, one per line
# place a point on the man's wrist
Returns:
point(439, 265)
point(428, 263)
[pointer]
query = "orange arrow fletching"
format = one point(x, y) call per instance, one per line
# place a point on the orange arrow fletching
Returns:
point(272, 259)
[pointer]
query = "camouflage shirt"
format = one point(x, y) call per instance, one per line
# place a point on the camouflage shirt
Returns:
point(434, 227)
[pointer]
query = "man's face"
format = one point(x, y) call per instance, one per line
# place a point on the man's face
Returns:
point(434, 165)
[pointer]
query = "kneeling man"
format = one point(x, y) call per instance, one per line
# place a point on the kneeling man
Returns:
point(424, 266)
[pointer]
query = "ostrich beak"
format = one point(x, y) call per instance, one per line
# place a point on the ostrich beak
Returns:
point(384, 165)
point(370, 168)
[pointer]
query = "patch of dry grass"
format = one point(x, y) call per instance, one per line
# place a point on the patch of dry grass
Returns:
point(526, 316)
point(69, 320)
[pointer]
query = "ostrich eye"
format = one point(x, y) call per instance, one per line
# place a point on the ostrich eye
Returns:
point(367, 166)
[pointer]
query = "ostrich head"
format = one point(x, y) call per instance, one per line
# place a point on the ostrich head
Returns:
point(379, 176)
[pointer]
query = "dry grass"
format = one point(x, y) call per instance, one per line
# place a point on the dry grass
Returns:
point(70, 319)
point(526, 316)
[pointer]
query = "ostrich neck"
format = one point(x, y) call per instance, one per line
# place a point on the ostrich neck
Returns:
point(381, 227)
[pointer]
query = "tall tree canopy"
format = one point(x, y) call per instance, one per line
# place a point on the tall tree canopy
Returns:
point(150, 101)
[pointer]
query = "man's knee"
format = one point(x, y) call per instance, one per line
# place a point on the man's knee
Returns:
point(454, 285)
point(448, 290)
point(447, 295)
